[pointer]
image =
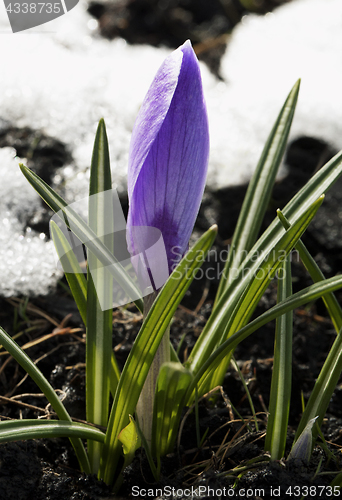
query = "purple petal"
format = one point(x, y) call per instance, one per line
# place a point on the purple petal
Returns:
point(152, 115)
point(169, 154)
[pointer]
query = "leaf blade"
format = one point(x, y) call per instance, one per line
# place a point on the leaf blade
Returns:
point(333, 307)
point(298, 299)
point(99, 321)
point(233, 310)
point(17, 430)
point(280, 394)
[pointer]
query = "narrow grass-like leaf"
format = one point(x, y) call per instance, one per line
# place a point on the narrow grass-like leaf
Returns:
point(315, 187)
point(172, 384)
point(298, 299)
point(76, 279)
point(84, 233)
point(233, 312)
point(323, 388)
point(319, 184)
point(268, 268)
point(114, 375)
point(144, 349)
point(259, 190)
point(280, 395)
point(17, 430)
point(249, 299)
point(27, 364)
point(78, 287)
point(333, 307)
point(100, 283)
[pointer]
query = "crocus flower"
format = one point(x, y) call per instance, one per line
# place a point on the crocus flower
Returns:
point(166, 175)
point(169, 155)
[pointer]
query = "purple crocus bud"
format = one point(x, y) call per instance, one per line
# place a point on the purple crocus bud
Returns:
point(169, 156)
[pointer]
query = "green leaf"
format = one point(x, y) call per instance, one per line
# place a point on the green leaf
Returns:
point(268, 268)
point(27, 364)
point(130, 440)
point(145, 347)
point(85, 234)
point(76, 279)
point(318, 184)
point(17, 430)
point(333, 307)
point(280, 395)
point(323, 388)
point(259, 190)
point(172, 384)
point(298, 299)
point(114, 375)
point(78, 287)
point(100, 283)
point(234, 310)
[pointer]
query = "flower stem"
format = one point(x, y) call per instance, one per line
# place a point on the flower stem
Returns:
point(144, 408)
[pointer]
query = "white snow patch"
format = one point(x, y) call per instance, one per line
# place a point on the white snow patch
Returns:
point(265, 57)
point(27, 262)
